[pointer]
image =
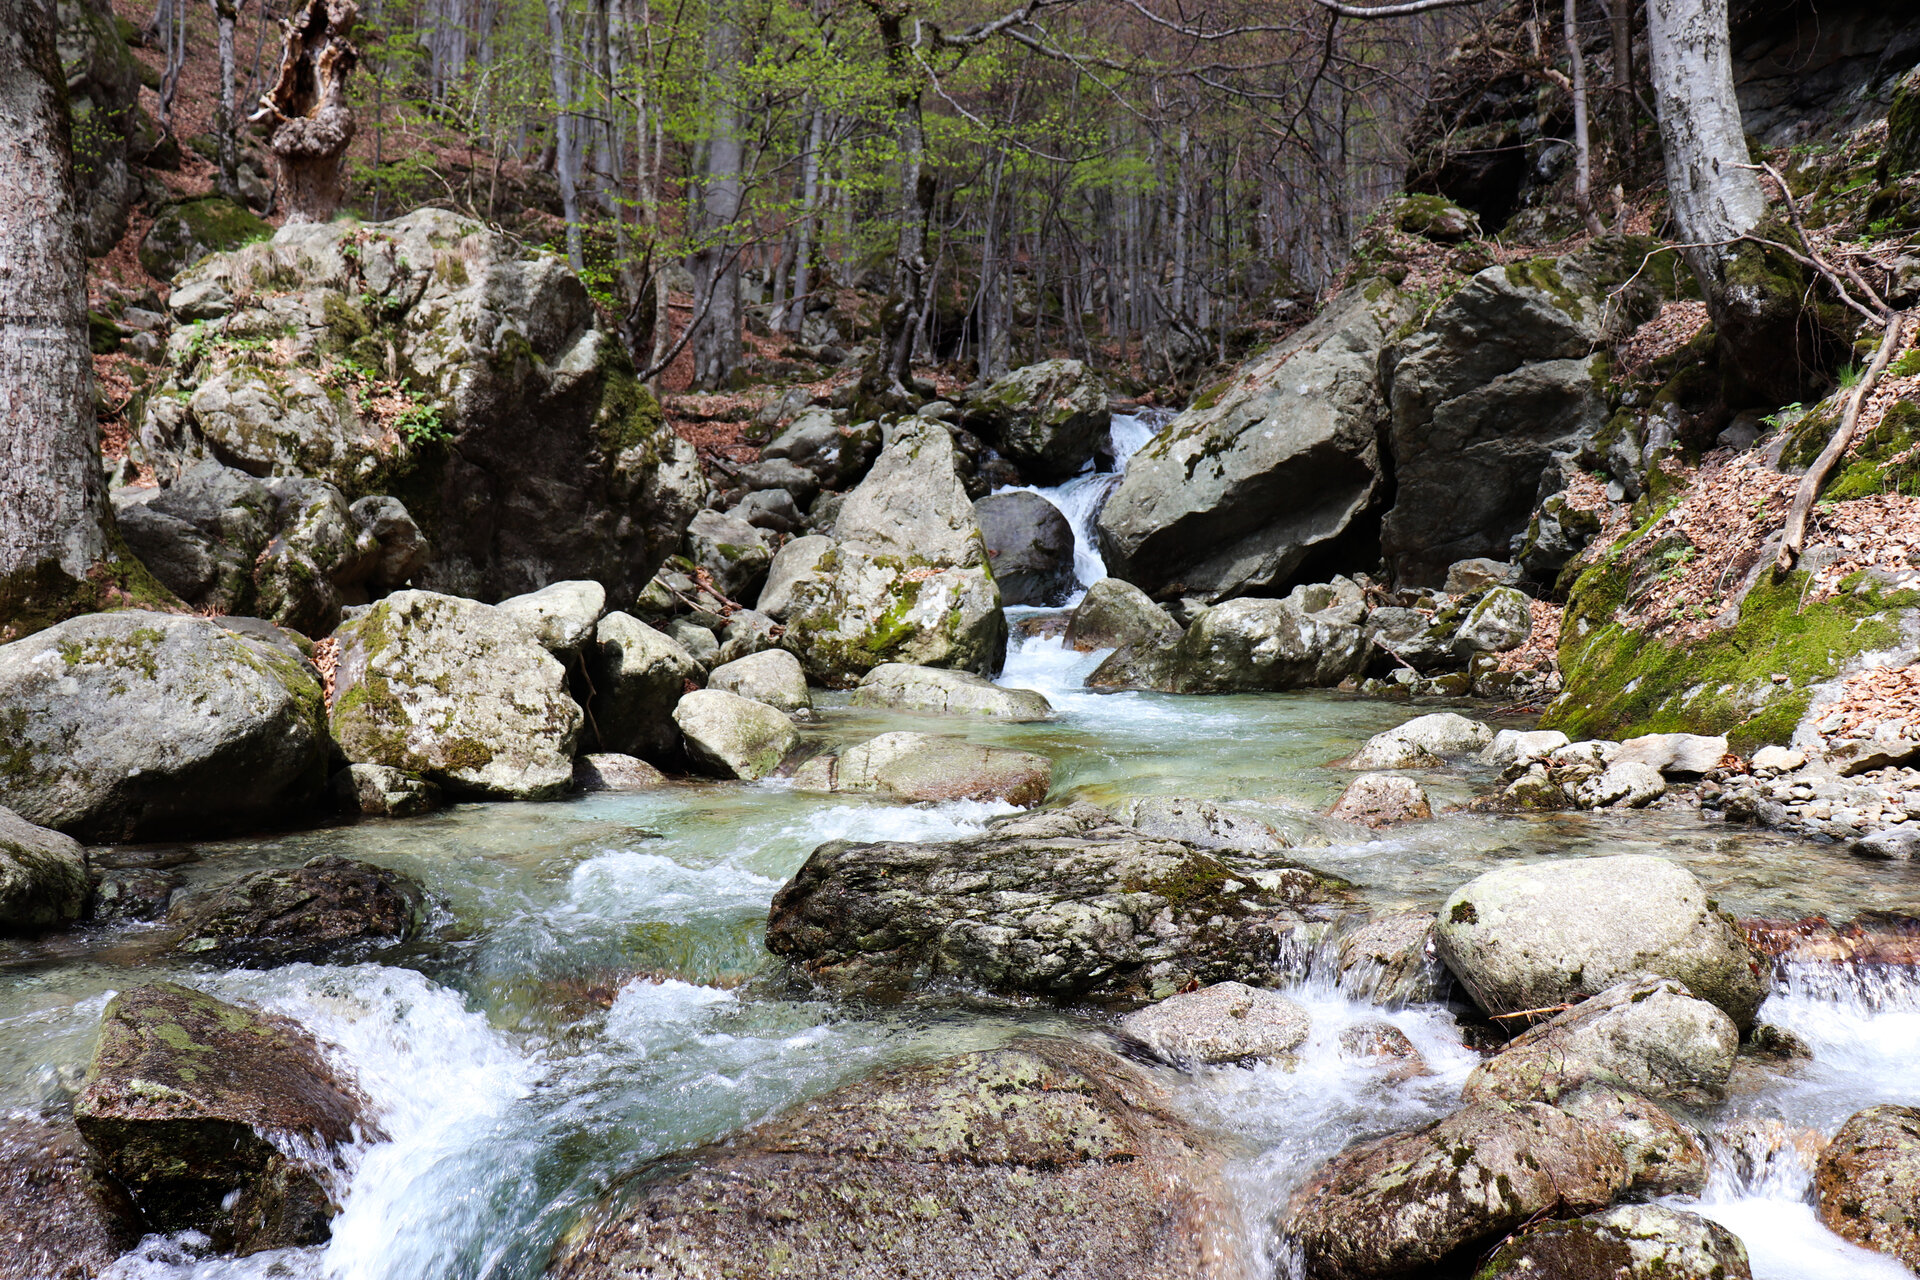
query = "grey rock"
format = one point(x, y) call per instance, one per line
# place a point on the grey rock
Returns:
point(1621, 785)
point(731, 550)
point(1465, 577)
point(130, 724)
point(1309, 640)
point(773, 510)
point(1522, 746)
point(732, 736)
point(899, 686)
point(1046, 417)
point(132, 893)
point(560, 617)
point(1631, 1242)
point(1865, 1182)
point(611, 771)
point(1409, 638)
point(1225, 1022)
point(1673, 754)
point(1901, 843)
point(1500, 620)
point(1389, 960)
point(791, 563)
point(1663, 1156)
point(382, 792)
point(783, 475)
point(1423, 742)
point(329, 908)
point(1030, 545)
point(1382, 799)
point(772, 676)
point(912, 505)
point(747, 632)
point(43, 876)
point(1526, 937)
point(835, 455)
point(1135, 667)
point(639, 675)
point(1204, 824)
point(696, 639)
point(1115, 614)
point(923, 768)
point(455, 692)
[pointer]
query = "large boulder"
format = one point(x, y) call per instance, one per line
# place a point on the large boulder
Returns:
point(1868, 1182)
point(458, 692)
point(772, 676)
point(1631, 1242)
point(43, 876)
point(638, 676)
point(1031, 546)
point(1309, 640)
point(1114, 614)
point(732, 736)
point(1423, 742)
point(1047, 417)
point(1500, 620)
point(1064, 903)
point(900, 686)
point(1273, 464)
point(198, 1106)
point(1045, 1157)
point(121, 725)
point(62, 1216)
point(561, 616)
point(1500, 379)
point(326, 909)
point(444, 363)
point(791, 564)
point(907, 577)
point(1526, 937)
point(1437, 1196)
point(923, 768)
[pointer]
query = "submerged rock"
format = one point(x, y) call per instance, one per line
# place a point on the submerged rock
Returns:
point(1389, 960)
point(1382, 799)
point(129, 724)
point(1868, 1182)
point(1203, 824)
point(772, 676)
point(193, 1104)
point(900, 686)
point(1114, 614)
point(132, 893)
point(62, 1216)
point(1526, 937)
point(1064, 903)
point(1226, 1022)
point(43, 876)
point(1031, 546)
point(456, 692)
point(919, 767)
point(1423, 742)
point(1631, 1242)
point(732, 736)
point(324, 909)
point(1042, 1158)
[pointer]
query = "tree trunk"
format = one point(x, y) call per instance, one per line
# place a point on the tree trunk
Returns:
point(59, 554)
point(1582, 136)
point(307, 107)
point(716, 263)
point(566, 147)
point(226, 119)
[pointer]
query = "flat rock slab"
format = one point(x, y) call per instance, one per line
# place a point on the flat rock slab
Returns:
point(1226, 1022)
point(1205, 824)
point(1064, 903)
point(899, 686)
point(923, 768)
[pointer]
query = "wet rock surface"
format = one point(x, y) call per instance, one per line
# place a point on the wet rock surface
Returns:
point(900, 686)
point(382, 792)
point(330, 908)
point(1868, 1182)
point(1632, 1242)
point(1423, 742)
point(62, 1216)
point(1226, 1022)
point(611, 771)
point(924, 768)
point(1382, 799)
point(1205, 824)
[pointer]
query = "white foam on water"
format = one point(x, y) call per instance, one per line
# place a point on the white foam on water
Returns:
point(619, 884)
point(875, 822)
point(652, 1018)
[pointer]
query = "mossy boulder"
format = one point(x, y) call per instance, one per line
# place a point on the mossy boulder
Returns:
point(115, 726)
point(1631, 1242)
point(103, 103)
point(1902, 154)
point(1435, 218)
point(1881, 460)
point(43, 876)
point(1777, 341)
point(193, 1105)
point(1045, 1157)
point(1047, 417)
point(329, 908)
point(457, 692)
point(186, 231)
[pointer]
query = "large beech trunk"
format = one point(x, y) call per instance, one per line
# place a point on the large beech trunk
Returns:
point(56, 525)
point(306, 109)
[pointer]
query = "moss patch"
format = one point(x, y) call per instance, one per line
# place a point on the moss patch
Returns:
point(1877, 464)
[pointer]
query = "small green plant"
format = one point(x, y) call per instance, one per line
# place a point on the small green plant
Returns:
point(1850, 376)
point(1786, 415)
point(420, 422)
point(1906, 366)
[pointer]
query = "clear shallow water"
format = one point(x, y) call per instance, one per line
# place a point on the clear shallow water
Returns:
point(596, 991)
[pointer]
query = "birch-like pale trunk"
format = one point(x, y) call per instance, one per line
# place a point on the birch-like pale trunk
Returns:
point(566, 149)
point(1582, 136)
point(716, 264)
point(226, 13)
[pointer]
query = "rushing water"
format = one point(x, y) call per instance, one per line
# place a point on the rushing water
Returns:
point(1081, 498)
point(596, 992)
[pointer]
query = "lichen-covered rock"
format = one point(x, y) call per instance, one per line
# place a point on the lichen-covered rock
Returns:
point(732, 736)
point(1382, 799)
point(1648, 1035)
point(1521, 747)
point(1439, 1195)
point(1204, 824)
point(1064, 903)
point(732, 551)
point(381, 792)
point(43, 876)
point(912, 505)
point(1226, 1022)
point(62, 1216)
point(1045, 1157)
point(329, 908)
point(457, 692)
point(1201, 505)
point(1030, 545)
point(1500, 620)
point(1466, 577)
point(119, 725)
point(920, 767)
point(1525, 937)
point(103, 102)
point(1114, 614)
point(1046, 417)
point(611, 771)
point(772, 676)
point(185, 231)
point(1868, 1181)
point(1423, 742)
point(189, 1100)
point(747, 632)
point(1135, 668)
point(900, 686)
point(1663, 1156)
point(638, 675)
point(1309, 640)
point(522, 442)
point(1631, 1242)
point(132, 893)
point(1621, 785)
point(560, 616)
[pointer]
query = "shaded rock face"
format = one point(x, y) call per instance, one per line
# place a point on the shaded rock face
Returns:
point(1226, 1022)
point(923, 768)
point(900, 686)
point(1043, 1158)
point(534, 456)
point(62, 1216)
point(1632, 1242)
point(1264, 471)
point(1030, 545)
point(380, 792)
point(1046, 417)
point(120, 725)
point(1310, 640)
point(1438, 1195)
point(1064, 903)
point(1526, 937)
point(732, 551)
point(182, 1101)
point(818, 441)
point(43, 875)
point(185, 231)
point(1868, 1182)
point(103, 99)
point(638, 677)
point(457, 692)
point(1482, 397)
point(1114, 614)
point(329, 908)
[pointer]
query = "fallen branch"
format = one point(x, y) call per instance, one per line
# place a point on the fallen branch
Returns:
point(1794, 537)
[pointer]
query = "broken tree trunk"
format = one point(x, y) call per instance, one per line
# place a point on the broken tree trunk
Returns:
point(306, 110)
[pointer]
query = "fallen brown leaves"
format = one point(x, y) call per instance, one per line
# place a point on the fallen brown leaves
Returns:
point(1875, 697)
point(1542, 649)
point(326, 660)
point(1677, 324)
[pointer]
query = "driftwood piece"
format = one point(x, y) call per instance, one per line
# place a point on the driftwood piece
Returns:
point(306, 112)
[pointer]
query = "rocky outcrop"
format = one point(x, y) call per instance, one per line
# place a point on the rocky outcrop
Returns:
point(900, 686)
point(1030, 545)
point(62, 1216)
point(1265, 469)
point(732, 736)
point(1868, 1181)
point(184, 232)
point(329, 908)
point(923, 768)
point(1115, 614)
point(438, 361)
point(456, 692)
point(1632, 1242)
point(638, 676)
point(43, 876)
point(1047, 418)
point(1423, 742)
point(772, 676)
point(1063, 903)
point(1527, 937)
point(1226, 1022)
point(1044, 1157)
point(120, 725)
point(193, 1104)
point(1309, 640)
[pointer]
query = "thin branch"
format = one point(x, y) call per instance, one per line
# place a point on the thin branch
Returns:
point(1403, 10)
